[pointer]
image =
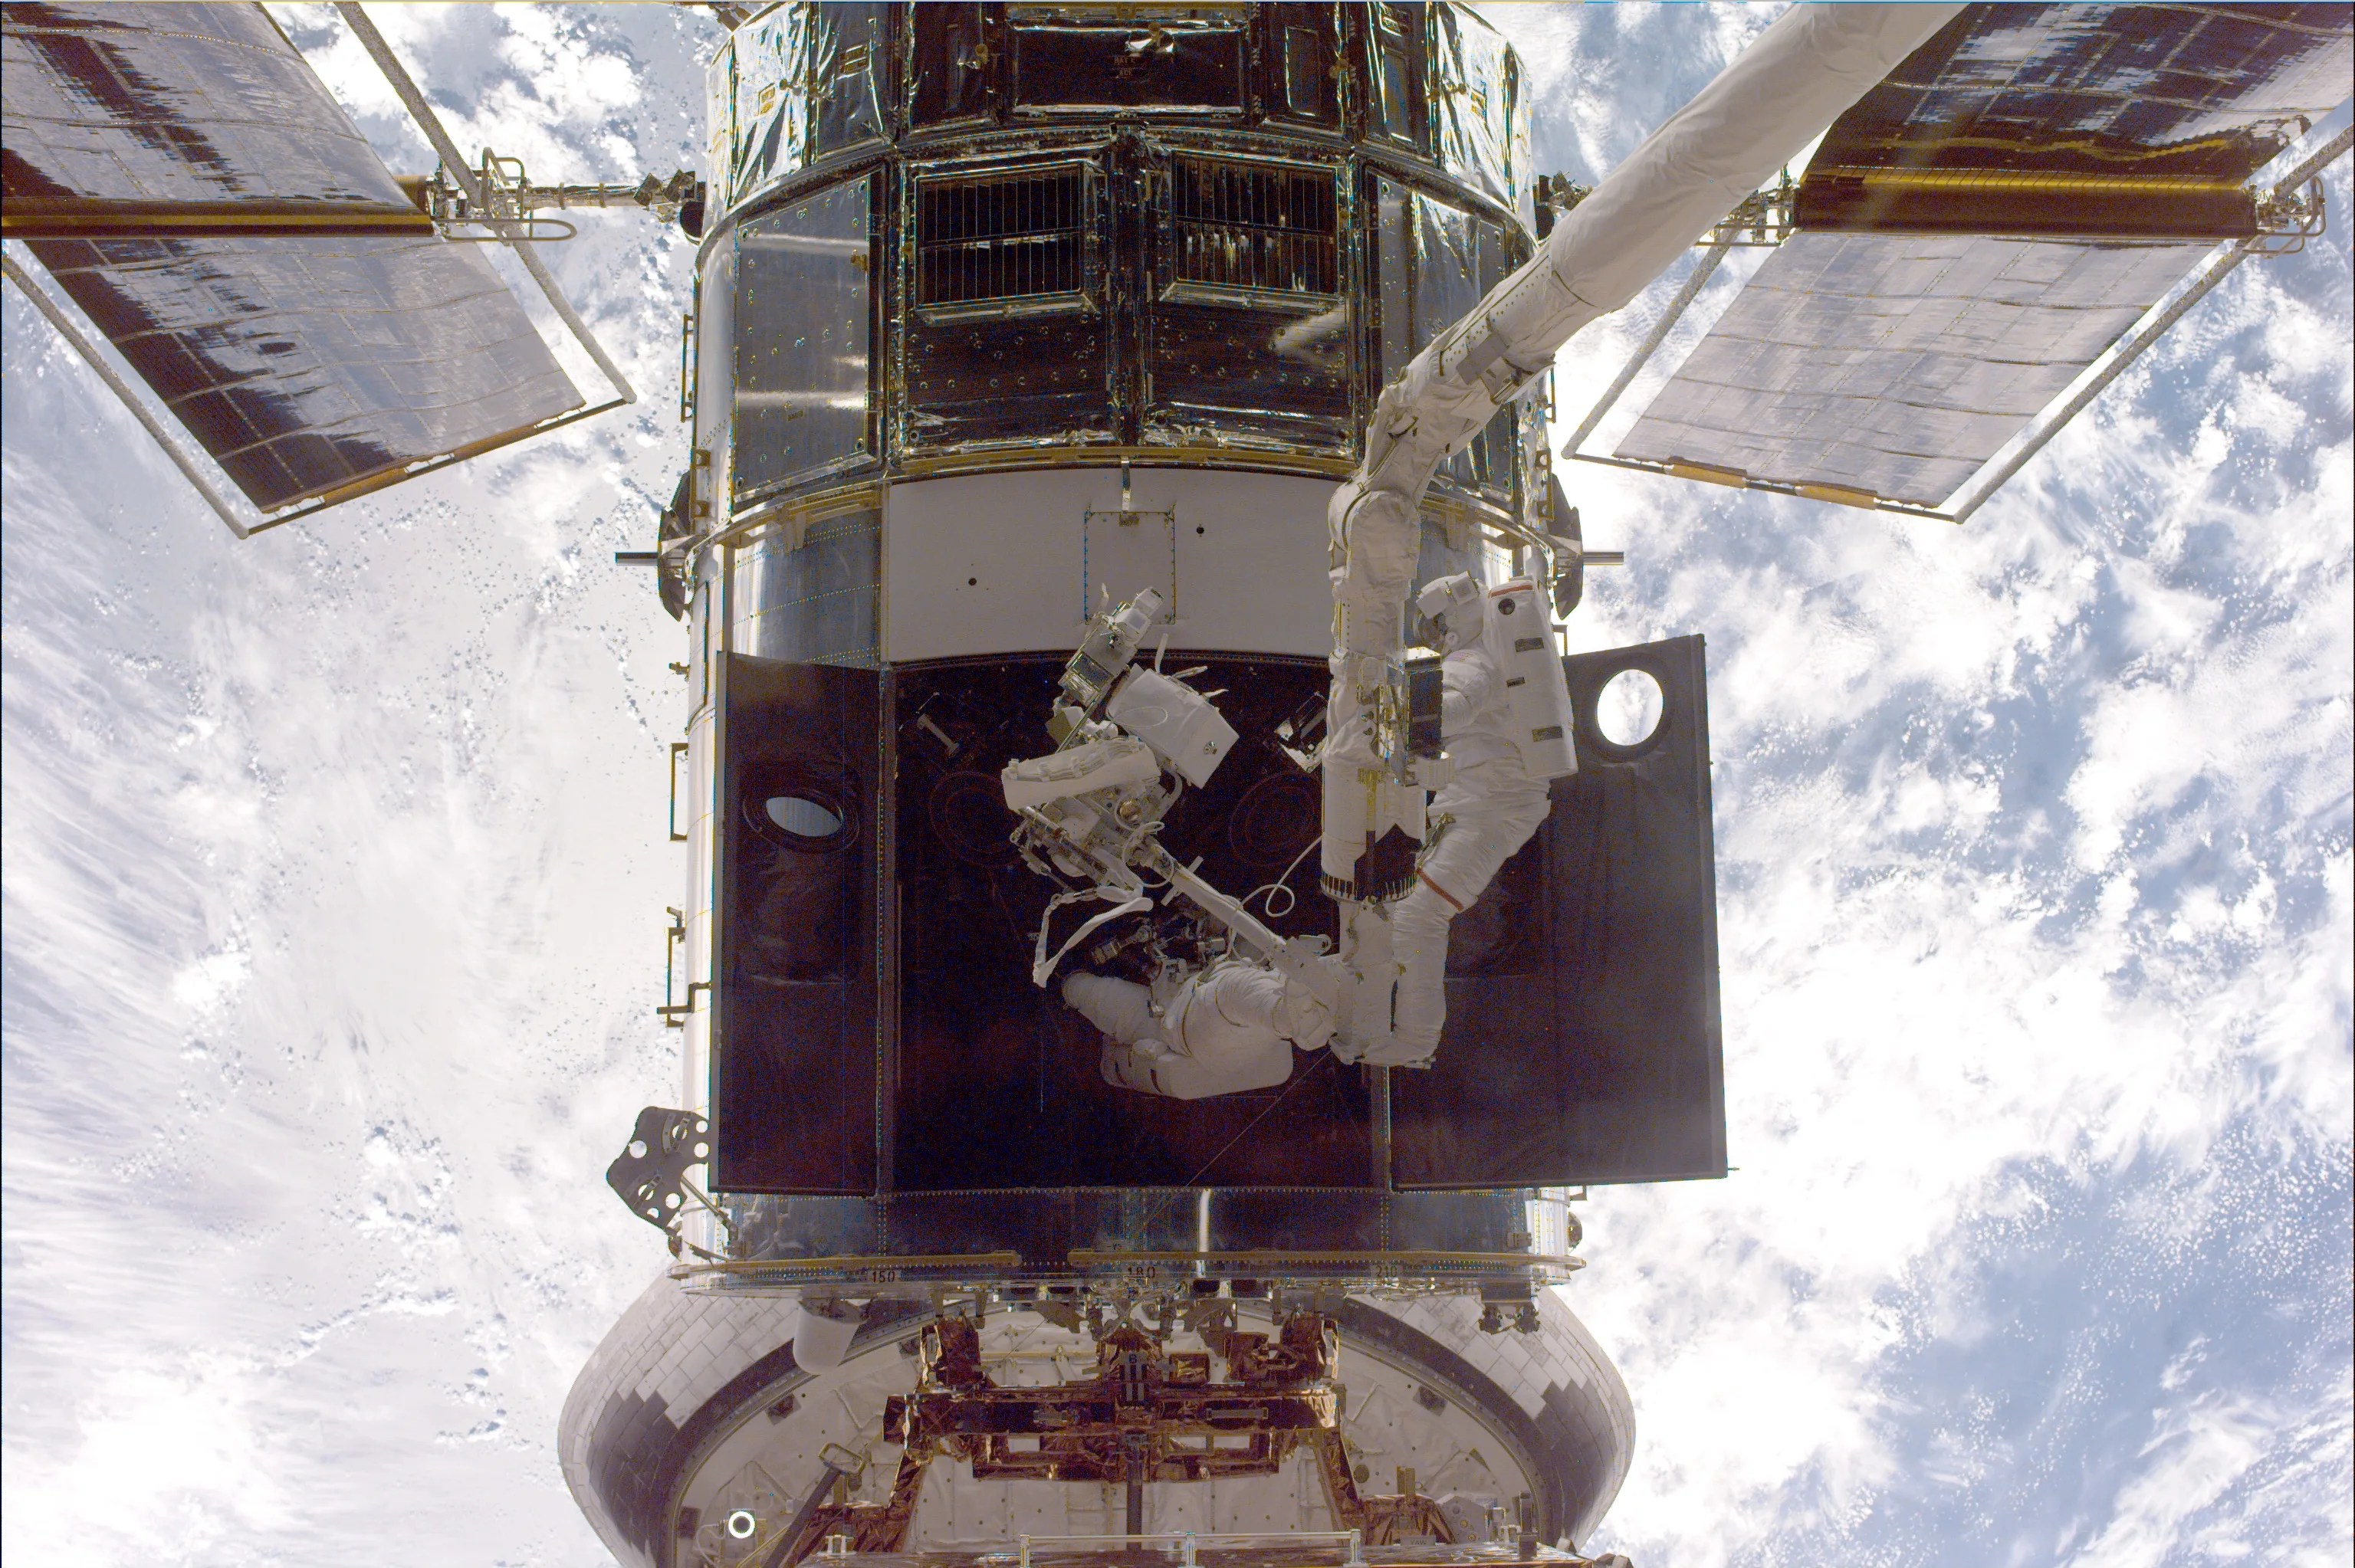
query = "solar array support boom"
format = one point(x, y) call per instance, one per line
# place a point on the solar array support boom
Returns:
point(2115, 361)
point(454, 163)
point(1984, 242)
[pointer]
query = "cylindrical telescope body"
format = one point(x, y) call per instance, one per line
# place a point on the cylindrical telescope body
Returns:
point(1005, 317)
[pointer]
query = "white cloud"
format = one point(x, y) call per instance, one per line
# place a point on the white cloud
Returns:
point(170, 1464)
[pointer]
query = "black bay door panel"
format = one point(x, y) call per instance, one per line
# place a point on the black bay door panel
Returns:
point(793, 1032)
point(994, 1081)
point(1583, 1041)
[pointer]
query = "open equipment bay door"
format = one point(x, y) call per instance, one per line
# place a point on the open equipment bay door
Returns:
point(874, 927)
point(1584, 983)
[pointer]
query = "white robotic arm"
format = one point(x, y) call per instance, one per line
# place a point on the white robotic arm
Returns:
point(1801, 73)
point(1758, 113)
point(1813, 63)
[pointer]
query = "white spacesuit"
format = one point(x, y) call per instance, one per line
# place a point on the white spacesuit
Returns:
point(1478, 820)
point(1232, 1027)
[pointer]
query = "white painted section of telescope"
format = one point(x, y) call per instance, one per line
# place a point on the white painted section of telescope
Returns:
point(992, 563)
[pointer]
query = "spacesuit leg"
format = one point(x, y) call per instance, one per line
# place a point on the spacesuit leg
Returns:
point(1495, 806)
point(1223, 1032)
point(1122, 1009)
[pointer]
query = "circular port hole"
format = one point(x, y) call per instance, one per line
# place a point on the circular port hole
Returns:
point(1274, 820)
point(1627, 710)
point(803, 818)
point(790, 809)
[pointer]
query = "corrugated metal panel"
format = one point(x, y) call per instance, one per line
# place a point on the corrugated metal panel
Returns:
point(1896, 365)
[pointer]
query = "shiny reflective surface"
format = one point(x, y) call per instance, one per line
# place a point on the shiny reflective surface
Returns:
point(1098, 60)
point(1434, 262)
point(1224, 1232)
point(1896, 365)
point(1158, 229)
point(173, 103)
point(305, 365)
point(1480, 113)
point(300, 364)
point(1165, 246)
point(2130, 118)
point(1250, 331)
point(802, 334)
point(1394, 75)
point(1008, 341)
point(804, 82)
point(811, 596)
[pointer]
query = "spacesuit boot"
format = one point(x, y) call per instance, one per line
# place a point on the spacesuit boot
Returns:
point(1221, 1032)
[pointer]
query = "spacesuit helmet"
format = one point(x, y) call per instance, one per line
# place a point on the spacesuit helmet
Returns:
point(1448, 612)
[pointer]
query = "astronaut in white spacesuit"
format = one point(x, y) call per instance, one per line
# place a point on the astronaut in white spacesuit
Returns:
point(1478, 820)
point(1229, 1028)
point(1234, 1027)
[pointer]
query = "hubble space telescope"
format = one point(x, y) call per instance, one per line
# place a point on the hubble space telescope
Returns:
point(1118, 485)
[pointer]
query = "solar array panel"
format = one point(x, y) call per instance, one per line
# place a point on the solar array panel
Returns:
point(306, 364)
point(1895, 365)
point(1980, 227)
point(2165, 98)
point(151, 106)
point(352, 344)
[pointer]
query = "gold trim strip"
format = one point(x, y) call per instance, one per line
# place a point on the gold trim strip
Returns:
point(976, 1260)
point(2024, 180)
point(79, 218)
point(1252, 458)
point(386, 479)
point(1089, 1258)
point(1706, 474)
point(799, 512)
